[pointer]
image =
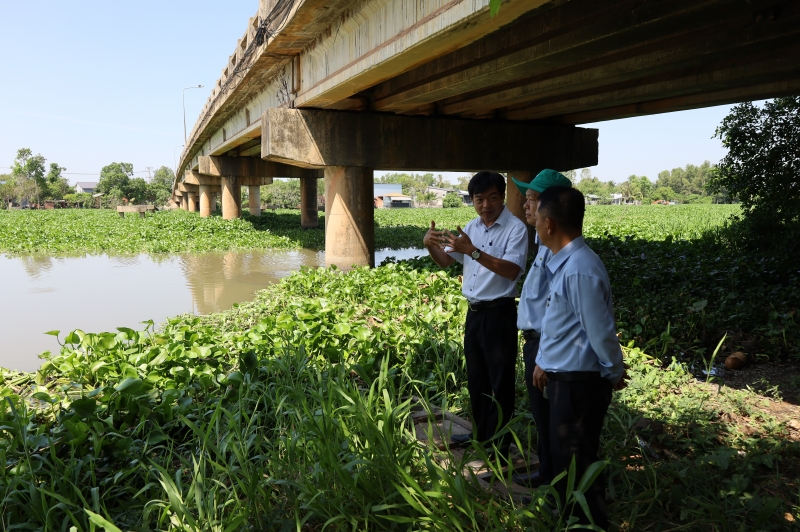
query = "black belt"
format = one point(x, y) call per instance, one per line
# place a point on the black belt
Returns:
point(484, 305)
point(571, 376)
point(530, 335)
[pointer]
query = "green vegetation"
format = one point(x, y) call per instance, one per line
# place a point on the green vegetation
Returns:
point(452, 201)
point(117, 183)
point(103, 231)
point(291, 412)
point(683, 185)
point(762, 167)
point(31, 181)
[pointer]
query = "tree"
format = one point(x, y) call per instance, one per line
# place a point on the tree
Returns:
point(56, 185)
point(762, 167)
point(463, 182)
point(28, 171)
point(115, 180)
point(283, 194)
point(7, 187)
point(452, 200)
point(159, 189)
point(137, 190)
point(663, 193)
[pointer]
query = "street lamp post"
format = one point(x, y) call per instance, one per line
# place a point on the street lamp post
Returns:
point(184, 109)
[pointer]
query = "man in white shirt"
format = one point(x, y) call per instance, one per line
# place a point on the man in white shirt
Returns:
point(493, 248)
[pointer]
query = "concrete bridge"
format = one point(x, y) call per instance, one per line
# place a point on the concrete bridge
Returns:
point(339, 88)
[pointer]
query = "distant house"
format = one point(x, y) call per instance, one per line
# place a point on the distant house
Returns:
point(393, 201)
point(381, 189)
point(441, 192)
point(591, 199)
point(617, 199)
point(390, 196)
point(85, 187)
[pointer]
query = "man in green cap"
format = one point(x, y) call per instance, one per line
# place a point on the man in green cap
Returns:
point(532, 303)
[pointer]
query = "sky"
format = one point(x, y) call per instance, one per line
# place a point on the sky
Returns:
point(88, 83)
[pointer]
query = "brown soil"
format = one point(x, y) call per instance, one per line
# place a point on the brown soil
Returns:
point(774, 380)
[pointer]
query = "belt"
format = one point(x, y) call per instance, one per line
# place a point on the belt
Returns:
point(530, 335)
point(571, 376)
point(484, 305)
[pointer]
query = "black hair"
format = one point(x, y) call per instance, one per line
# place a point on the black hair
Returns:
point(483, 181)
point(565, 205)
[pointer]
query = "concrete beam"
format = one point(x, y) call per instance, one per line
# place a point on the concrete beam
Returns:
point(250, 167)
point(196, 178)
point(314, 139)
point(188, 187)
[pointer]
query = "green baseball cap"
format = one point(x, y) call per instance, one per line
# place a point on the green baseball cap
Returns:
point(545, 179)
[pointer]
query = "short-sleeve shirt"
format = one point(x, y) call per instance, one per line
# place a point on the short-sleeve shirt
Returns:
point(533, 300)
point(507, 239)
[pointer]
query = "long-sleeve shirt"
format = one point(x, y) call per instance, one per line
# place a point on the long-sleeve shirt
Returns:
point(578, 329)
point(533, 299)
point(507, 239)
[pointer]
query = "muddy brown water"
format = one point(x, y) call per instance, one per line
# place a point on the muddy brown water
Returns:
point(98, 293)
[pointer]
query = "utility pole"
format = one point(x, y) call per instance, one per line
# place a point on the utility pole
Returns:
point(148, 168)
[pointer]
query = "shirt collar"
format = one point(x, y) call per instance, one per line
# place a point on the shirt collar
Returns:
point(501, 220)
point(561, 257)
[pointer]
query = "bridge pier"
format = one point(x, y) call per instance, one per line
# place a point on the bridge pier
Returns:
point(206, 199)
point(309, 214)
point(184, 203)
point(349, 217)
point(255, 200)
point(231, 198)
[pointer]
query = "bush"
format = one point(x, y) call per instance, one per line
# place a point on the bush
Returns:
point(452, 201)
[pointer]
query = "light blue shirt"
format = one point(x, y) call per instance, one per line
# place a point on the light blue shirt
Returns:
point(507, 239)
point(578, 329)
point(533, 299)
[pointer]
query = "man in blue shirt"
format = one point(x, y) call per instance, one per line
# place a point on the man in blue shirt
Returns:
point(579, 360)
point(532, 303)
point(493, 248)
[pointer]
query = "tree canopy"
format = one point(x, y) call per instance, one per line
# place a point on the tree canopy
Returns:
point(762, 167)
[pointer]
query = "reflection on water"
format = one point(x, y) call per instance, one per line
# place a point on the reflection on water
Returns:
point(100, 293)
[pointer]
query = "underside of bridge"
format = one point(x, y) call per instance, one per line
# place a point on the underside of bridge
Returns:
point(340, 88)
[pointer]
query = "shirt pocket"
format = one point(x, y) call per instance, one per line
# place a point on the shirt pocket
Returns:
point(557, 318)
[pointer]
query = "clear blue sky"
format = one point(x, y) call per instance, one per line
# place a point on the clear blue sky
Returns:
point(88, 83)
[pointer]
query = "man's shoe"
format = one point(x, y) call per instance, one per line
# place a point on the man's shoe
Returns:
point(457, 440)
point(529, 480)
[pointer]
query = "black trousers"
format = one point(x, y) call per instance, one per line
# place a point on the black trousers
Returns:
point(577, 410)
point(490, 349)
point(540, 408)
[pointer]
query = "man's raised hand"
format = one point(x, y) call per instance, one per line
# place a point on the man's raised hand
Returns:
point(433, 238)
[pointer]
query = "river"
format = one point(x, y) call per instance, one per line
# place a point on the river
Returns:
point(97, 293)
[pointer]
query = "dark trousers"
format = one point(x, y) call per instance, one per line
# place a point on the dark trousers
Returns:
point(490, 349)
point(540, 408)
point(577, 410)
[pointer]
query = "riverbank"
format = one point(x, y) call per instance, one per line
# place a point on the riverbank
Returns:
point(290, 411)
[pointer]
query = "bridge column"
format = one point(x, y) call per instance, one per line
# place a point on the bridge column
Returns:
point(255, 200)
point(350, 217)
point(231, 198)
point(206, 198)
point(515, 201)
point(309, 214)
point(184, 203)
